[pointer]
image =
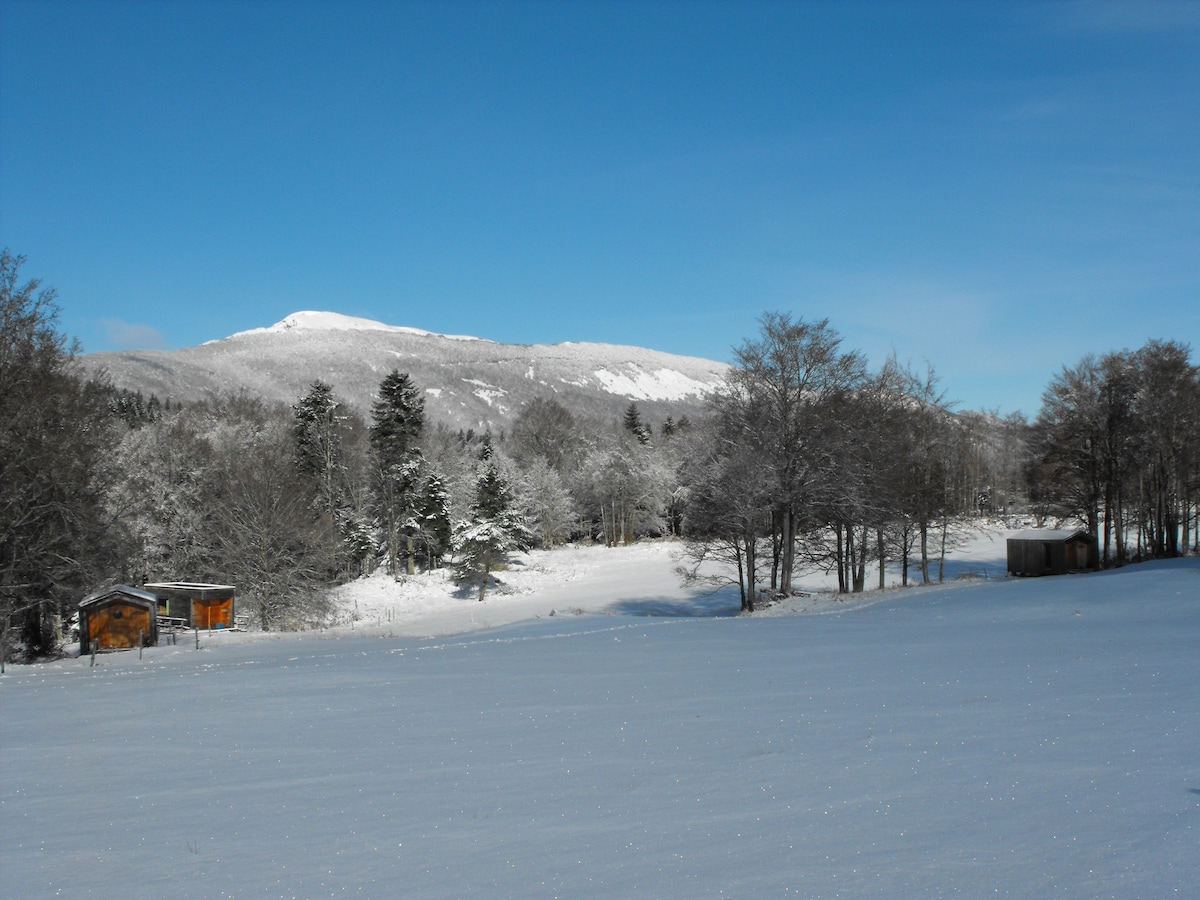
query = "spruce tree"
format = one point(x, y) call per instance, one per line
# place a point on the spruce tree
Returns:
point(634, 425)
point(495, 530)
point(398, 417)
point(319, 443)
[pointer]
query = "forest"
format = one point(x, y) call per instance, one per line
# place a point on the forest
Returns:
point(805, 459)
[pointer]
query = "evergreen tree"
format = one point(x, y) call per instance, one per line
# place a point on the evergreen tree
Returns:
point(398, 416)
point(495, 530)
point(435, 527)
point(634, 425)
point(319, 444)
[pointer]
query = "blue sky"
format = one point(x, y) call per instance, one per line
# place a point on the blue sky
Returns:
point(996, 189)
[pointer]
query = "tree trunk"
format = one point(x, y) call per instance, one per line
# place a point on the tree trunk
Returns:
point(751, 561)
point(487, 571)
point(845, 548)
point(776, 548)
point(787, 550)
point(882, 556)
point(741, 571)
point(860, 568)
point(924, 528)
point(942, 553)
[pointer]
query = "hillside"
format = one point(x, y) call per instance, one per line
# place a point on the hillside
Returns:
point(468, 382)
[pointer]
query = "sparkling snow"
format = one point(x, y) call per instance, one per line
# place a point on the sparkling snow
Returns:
point(594, 729)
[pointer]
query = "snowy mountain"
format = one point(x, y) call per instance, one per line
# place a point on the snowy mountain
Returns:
point(468, 382)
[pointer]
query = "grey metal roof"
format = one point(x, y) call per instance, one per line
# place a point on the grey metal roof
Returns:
point(1048, 534)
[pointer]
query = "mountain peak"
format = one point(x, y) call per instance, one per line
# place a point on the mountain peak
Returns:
point(468, 382)
point(314, 320)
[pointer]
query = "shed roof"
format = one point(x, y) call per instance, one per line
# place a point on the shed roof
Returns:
point(1048, 534)
point(105, 593)
point(192, 589)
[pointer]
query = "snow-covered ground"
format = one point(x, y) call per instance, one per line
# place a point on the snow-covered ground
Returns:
point(593, 729)
point(639, 580)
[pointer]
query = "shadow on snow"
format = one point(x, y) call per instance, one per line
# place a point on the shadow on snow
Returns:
point(714, 604)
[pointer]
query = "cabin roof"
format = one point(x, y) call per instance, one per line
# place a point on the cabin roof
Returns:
point(1049, 534)
point(124, 589)
point(190, 586)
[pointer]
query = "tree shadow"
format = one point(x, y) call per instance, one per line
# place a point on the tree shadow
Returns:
point(722, 603)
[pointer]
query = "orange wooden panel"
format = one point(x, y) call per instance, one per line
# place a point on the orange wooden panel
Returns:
point(118, 626)
point(216, 612)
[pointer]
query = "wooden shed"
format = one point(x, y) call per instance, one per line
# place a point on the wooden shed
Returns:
point(194, 605)
point(1043, 551)
point(116, 618)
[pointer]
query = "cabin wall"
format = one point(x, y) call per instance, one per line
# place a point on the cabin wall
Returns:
point(194, 607)
point(118, 626)
point(1036, 558)
point(212, 612)
point(1047, 557)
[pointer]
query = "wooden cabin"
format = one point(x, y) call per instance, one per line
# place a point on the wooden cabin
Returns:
point(191, 605)
point(116, 618)
point(1042, 551)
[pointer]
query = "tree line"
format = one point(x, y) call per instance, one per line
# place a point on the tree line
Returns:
point(805, 459)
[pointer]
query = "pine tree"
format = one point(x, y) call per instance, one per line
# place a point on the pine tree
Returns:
point(398, 417)
point(495, 530)
point(319, 443)
point(634, 425)
point(436, 529)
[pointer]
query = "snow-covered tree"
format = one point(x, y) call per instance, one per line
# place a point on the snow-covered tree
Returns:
point(621, 489)
point(434, 524)
point(633, 423)
point(270, 540)
point(496, 528)
point(55, 539)
point(546, 501)
point(545, 428)
point(317, 430)
point(397, 419)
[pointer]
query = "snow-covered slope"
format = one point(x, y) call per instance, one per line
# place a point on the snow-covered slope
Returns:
point(310, 320)
point(469, 382)
point(1025, 738)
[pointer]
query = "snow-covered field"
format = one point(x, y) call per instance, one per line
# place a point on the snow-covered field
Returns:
point(593, 729)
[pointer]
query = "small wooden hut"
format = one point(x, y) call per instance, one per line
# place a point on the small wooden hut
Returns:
point(1043, 551)
point(116, 618)
point(193, 605)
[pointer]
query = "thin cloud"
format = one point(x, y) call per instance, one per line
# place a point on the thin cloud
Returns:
point(1126, 16)
point(124, 336)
